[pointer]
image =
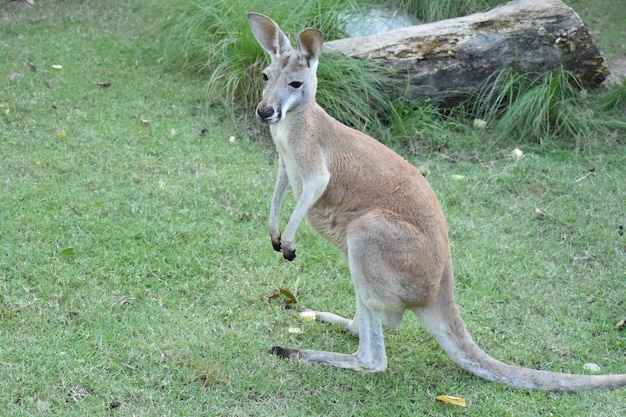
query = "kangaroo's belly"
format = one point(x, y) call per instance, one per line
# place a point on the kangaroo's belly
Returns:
point(331, 224)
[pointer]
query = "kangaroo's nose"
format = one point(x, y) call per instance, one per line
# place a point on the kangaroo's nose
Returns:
point(267, 114)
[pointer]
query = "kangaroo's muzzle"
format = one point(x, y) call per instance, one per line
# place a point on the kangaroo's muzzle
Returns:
point(268, 114)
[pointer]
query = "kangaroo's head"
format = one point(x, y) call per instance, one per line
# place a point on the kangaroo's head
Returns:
point(289, 82)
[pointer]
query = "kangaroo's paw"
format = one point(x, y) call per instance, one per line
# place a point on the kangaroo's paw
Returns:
point(276, 243)
point(285, 353)
point(289, 254)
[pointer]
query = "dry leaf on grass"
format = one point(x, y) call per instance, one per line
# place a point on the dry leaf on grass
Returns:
point(285, 295)
point(65, 253)
point(451, 400)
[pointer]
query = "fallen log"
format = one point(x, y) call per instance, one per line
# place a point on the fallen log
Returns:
point(453, 57)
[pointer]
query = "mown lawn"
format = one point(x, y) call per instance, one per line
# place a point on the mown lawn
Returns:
point(135, 265)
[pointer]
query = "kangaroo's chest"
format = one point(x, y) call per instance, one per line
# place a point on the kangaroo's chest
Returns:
point(280, 136)
point(328, 217)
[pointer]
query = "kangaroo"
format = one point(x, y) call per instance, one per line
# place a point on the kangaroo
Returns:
point(382, 215)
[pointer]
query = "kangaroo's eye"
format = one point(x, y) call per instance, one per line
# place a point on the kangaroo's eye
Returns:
point(295, 84)
point(265, 77)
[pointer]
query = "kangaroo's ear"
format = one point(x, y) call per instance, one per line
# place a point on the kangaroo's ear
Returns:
point(269, 35)
point(310, 45)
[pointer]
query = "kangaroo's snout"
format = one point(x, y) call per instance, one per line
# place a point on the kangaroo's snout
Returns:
point(268, 114)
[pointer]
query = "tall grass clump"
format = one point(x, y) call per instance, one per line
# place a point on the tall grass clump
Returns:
point(541, 107)
point(614, 99)
point(432, 10)
point(214, 39)
point(356, 92)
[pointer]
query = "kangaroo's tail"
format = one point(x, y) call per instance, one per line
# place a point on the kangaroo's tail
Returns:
point(443, 321)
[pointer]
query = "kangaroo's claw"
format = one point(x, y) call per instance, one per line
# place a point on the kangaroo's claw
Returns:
point(288, 254)
point(276, 243)
point(284, 353)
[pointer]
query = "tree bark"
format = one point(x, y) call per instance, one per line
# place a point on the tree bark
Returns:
point(452, 58)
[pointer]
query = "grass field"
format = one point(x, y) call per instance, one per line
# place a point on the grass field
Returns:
point(135, 264)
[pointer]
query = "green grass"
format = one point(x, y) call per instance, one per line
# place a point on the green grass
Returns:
point(431, 11)
point(543, 107)
point(603, 25)
point(161, 306)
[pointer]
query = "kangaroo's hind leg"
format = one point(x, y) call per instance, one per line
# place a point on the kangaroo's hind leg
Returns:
point(366, 258)
point(370, 356)
point(380, 286)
